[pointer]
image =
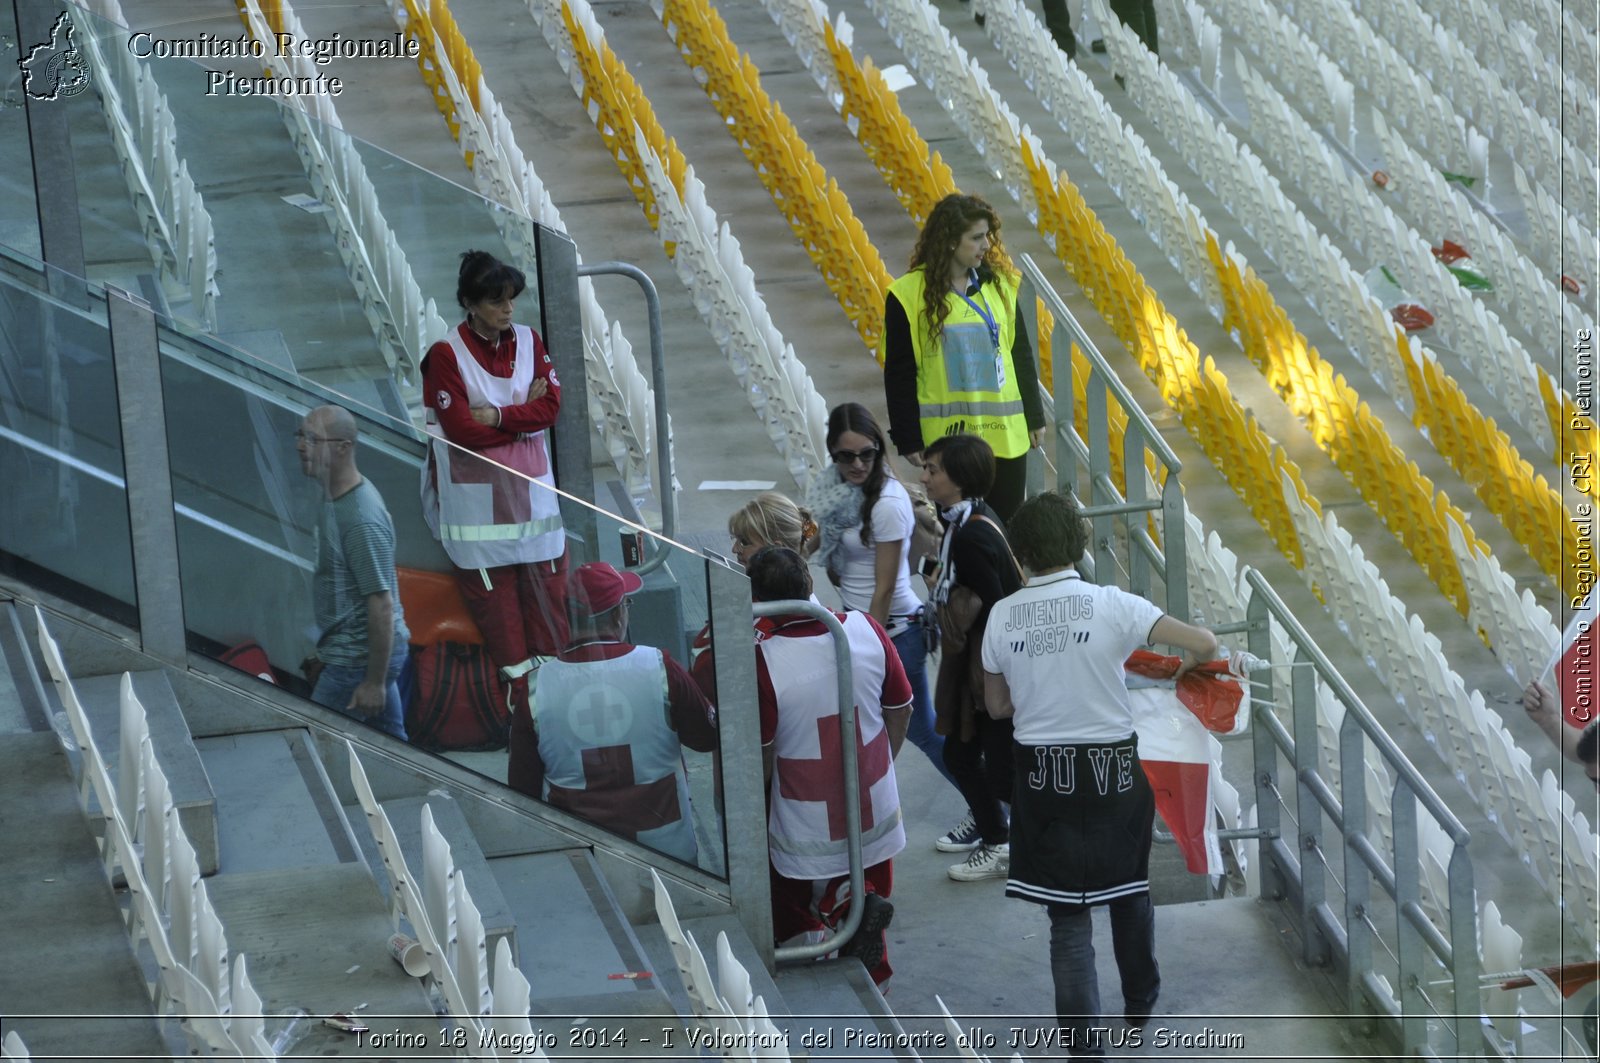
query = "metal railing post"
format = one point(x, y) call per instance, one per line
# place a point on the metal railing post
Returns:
point(152, 521)
point(743, 787)
point(1313, 869)
point(665, 470)
point(1407, 895)
point(1357, 876)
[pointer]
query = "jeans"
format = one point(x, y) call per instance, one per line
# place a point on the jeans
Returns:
point(914, 659)
point(1133, 941)
point(338, 681)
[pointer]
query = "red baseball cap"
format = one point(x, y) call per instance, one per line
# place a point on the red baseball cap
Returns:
point(599, 588)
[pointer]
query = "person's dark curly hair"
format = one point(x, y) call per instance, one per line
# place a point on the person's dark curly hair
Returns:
point(854, 417)
point(1048, 532)
point(950, 218)
point(483, 276)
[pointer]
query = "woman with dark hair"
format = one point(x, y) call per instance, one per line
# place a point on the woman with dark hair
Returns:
point(975, 570)
point(866, 522)
point(956, 356)
point(490, 389)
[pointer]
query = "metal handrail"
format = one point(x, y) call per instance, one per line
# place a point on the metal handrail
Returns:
point(1114, 383)
point(1415, 934)
point(658, 388)
point(852, 781)
point(1104, 501)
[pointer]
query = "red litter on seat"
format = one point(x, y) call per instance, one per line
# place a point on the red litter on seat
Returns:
point(1411, 317)
point(1449, 252)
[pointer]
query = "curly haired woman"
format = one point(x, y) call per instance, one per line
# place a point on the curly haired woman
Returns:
point(956, 356)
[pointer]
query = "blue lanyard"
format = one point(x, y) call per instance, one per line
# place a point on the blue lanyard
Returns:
point(983, 312)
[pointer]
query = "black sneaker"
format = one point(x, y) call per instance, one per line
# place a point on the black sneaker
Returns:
point(868, 945)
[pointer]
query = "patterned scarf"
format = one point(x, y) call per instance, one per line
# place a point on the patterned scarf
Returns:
point(835, 504)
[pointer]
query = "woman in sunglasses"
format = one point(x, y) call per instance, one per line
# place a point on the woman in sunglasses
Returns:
point(956, 356)
point(866, 521)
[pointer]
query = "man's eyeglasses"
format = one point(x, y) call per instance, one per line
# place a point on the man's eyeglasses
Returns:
point(307, 437)
point(850, 457)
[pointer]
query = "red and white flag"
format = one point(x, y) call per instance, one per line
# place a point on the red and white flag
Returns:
point(1181, 759)
point(1572, 669)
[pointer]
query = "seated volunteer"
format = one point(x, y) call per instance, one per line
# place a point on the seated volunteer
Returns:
point(956, 356)
point(1083, 810)
point(610, 720)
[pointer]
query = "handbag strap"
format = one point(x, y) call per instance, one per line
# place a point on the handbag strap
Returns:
point(1014, 563)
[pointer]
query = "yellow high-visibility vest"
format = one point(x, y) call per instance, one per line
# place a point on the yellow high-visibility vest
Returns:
point(966, 381)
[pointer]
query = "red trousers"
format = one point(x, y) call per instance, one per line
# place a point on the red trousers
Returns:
point(803, 904)
point(521, 609)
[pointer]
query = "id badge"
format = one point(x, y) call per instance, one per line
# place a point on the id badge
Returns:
point(970, 360)
point(999, 370)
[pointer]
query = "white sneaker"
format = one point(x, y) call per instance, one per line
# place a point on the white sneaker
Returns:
point(986, 861)
point(961, 838)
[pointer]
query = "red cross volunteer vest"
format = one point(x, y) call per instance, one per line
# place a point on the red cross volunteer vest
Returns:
point(483, 515)
point(806, 824)
point(609, 753)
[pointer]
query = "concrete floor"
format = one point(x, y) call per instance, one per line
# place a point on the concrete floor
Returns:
point(717, 439)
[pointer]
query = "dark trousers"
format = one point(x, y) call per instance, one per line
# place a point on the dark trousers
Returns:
point(1133, 941)
point(1010, 486)
point(982, 771)
point(1138, 15)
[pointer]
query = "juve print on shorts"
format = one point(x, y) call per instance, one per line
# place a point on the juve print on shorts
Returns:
point(1056, 768)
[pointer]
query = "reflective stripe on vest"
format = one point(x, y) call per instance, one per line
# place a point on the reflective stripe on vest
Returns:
point(995, 416)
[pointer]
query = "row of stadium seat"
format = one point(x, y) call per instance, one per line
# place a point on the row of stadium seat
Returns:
point(621, 400)
point(1535, 815)
point(705, 254)
point(1509, 118)
point(489, 1004)
point(172, 214)
point(403, 321)
point(1427, 116)
point(169, 906)
point(1480, 453)
point(1498, 359)
point(812, 203)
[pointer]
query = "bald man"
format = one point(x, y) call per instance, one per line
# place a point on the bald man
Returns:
point(362, 637)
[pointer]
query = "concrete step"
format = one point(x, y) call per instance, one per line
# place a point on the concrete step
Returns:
point(277, 809)
point(836, 1012)
point(175, 750)
point(66, 948)
point(576, 940)
point(22, 705)
point(406, 816)
point(317, 938)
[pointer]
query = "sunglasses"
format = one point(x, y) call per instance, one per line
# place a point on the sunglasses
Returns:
point(850, 457)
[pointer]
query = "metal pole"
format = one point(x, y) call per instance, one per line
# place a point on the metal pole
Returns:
point(852, 780)
point(665, 471)
point(743, 788)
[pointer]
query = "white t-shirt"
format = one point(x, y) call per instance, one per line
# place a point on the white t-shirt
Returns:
point(892, 520)
point(1061, 642)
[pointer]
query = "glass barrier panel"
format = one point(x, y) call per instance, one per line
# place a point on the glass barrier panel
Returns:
point(19, 210)
point(296, 213)
point(64, 519)
point(504, 651)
